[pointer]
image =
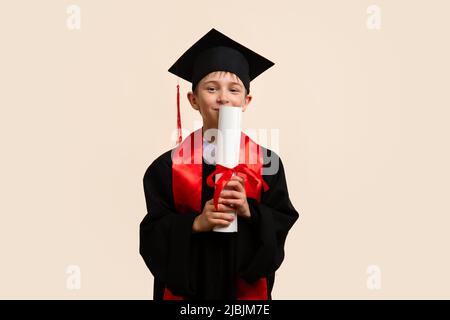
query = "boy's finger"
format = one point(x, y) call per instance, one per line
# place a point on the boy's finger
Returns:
point(219, 222)
point(227, 194)
point(233, 202)
point(225, 208)
point(236, 185)
point(238, 178)
point(223, 216)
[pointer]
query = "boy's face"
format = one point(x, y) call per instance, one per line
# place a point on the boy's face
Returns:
point(215, 89)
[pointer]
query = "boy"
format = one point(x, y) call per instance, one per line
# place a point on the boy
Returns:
point(186, 257)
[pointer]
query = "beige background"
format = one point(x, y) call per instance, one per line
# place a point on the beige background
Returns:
point(363, 118)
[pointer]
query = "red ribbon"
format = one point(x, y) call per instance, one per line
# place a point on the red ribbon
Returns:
point(179, 132)
point(227, 173)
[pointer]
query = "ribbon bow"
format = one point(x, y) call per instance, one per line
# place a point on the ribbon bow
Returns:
point(227, 173)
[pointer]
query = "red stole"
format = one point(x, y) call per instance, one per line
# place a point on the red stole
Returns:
point(187, 193)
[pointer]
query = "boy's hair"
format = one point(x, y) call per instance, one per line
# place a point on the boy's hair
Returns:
point(221, 74)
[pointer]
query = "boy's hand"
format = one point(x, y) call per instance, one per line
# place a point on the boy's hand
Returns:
point(210, 218)
point(234, 195)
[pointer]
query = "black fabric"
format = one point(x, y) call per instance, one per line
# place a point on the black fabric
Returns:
point(204, 266)
point(220, 59)
point(217, 52)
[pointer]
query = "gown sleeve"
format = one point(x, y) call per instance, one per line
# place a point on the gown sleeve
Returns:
point(261, 239)
point(165, 236)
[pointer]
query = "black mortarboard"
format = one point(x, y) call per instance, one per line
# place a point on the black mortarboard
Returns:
point(216, 52)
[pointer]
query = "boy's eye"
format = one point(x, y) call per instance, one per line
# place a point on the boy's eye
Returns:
point(211, 88)
point(235, 90)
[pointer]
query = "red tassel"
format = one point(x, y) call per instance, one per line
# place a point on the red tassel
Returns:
point(180, 135)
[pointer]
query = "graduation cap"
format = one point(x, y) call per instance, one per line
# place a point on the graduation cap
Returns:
point(217, 52)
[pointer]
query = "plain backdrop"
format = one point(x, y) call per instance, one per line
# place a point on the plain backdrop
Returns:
point(362, 116)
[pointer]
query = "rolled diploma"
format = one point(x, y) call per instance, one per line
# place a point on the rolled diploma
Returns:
point(228, 147)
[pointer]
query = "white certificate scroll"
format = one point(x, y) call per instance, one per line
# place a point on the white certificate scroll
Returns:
point(228, 147)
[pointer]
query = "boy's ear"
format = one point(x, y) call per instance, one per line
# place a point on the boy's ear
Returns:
point(247, 101)
point(192, 100)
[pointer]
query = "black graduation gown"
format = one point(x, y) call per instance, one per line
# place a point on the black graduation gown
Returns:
point(204, 266)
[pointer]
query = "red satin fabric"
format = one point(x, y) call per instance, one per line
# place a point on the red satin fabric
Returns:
point(251, 179)
point(187, 191)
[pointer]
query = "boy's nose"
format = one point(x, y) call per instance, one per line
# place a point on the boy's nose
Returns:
point(222, 98)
